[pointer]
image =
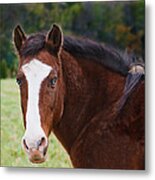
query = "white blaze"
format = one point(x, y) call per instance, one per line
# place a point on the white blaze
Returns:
point(35, 72)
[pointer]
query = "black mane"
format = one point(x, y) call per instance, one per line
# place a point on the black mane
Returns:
point(83, 48)
point(100, 53)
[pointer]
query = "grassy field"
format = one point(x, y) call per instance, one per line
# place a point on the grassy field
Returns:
point(12, 130)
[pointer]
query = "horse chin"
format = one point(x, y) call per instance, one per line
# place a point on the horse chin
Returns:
point(37, 157)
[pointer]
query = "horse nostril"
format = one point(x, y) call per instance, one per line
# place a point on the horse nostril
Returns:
point(41, 142)
point(44, 152)
point(25, 145)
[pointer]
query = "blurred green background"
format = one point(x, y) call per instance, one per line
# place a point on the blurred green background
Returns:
point(120, 24)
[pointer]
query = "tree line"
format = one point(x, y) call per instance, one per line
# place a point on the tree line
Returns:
point(120, 24)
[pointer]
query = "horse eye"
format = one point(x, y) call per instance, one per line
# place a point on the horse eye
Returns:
point(53, 81)
point(19, 81)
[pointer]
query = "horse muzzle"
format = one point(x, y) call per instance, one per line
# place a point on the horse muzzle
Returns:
point(36, 151)
point(37, 156)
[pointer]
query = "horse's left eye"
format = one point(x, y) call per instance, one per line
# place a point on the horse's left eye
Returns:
point(19, 81)
point(53, 81)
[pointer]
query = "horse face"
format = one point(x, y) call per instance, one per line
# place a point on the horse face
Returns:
point(41, 88)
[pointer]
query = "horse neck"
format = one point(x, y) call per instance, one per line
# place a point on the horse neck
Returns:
point(89, 89)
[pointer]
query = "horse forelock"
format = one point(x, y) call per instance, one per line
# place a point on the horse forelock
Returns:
point(33, 45)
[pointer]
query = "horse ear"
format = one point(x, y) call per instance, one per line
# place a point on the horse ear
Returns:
point(54, 38)
point(19, 37)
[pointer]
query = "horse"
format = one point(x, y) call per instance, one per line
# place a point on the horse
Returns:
point(76, 88)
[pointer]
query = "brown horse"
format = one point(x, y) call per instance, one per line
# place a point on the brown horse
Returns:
point(78, 89)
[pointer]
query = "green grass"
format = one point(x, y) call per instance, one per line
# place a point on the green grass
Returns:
point(12, 130)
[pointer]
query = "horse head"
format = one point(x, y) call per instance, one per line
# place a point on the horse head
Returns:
point(40, 81)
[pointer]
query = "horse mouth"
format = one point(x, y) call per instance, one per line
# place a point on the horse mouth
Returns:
point(37, 157)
